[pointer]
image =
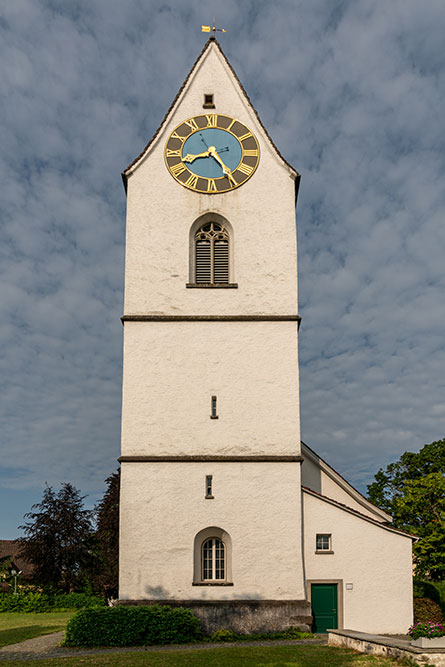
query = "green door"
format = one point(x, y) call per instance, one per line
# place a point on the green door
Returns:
point(324, 606)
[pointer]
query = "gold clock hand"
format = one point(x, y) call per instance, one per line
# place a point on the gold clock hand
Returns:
point(189, 157)
point(226, 171)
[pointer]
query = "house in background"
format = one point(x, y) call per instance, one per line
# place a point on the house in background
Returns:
point(223, 510)
point(10, 549)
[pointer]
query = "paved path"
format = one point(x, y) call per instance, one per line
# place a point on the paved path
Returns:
point(48, 646)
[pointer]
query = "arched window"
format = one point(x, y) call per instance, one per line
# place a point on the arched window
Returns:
point(213, 560)
point(212, 254)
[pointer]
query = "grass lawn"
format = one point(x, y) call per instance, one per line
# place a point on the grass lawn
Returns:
point(16, 626)
point(279, 656)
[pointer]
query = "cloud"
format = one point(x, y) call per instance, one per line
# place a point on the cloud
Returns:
point(353, 95)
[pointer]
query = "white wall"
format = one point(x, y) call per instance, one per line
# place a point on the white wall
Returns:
point(172, 369)
point(317, 479)
point(376, 561)
point(163, 507)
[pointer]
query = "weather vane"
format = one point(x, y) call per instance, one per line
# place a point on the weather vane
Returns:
point(208, 28)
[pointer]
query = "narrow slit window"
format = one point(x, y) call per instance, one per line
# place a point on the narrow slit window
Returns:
point(209, 480)
point(213, 413)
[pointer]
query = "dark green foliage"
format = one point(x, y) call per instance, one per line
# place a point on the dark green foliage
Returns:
point(132, 626)
point(434, 590)
point(425, 589)
point(104, 574)
point(426, 610)
point(58, 538)
point(42, 602)
point(230, 636)
point(412, 490)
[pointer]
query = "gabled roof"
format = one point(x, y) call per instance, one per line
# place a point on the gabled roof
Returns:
point(365, 517)
point(343, 483)
point(11, 549)
point(211, 42)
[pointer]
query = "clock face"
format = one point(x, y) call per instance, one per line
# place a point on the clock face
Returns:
point(212, 153)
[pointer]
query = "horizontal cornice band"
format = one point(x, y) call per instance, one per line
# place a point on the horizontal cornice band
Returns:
point(211, 318)
point(211, 457)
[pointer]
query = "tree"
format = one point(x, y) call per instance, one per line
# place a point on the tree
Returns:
point(58, 538)
point(105, 577)
point(413, 491)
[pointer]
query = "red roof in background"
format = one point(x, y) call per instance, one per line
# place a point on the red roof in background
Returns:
point(12, 549)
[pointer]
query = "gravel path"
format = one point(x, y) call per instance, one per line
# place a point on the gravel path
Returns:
point(48, 646)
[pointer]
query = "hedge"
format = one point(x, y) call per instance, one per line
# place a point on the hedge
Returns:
point(434, 590)
point(426, 610)
point(41, 602)
point(132, 626)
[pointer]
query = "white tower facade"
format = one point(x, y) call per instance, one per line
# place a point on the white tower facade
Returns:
point(211, 490)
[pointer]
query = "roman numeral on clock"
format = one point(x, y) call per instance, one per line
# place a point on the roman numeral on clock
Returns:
point(192, 181)
point(212, 120)
point(192, 124)
point(177, 169)
point(245, 168)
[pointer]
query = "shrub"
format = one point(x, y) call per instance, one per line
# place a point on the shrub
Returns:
point(132, 626)
point(426, 610)
point(39, 602)
point(425, 589)
point(428, 630)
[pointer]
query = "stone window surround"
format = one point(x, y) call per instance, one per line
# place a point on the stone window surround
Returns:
point(200, 538)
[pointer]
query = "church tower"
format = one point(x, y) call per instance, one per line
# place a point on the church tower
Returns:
point(211, 490)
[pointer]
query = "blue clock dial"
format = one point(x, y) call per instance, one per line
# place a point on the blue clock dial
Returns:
point(225, 143)
point(211, 153)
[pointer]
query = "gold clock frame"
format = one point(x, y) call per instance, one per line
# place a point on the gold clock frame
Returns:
point(174, 160)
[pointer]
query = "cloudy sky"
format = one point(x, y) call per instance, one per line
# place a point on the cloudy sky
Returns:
point(352, 93)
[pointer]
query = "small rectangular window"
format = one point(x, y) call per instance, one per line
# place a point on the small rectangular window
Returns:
point(323, 542)
point(208, 101)
point(213, 414)
point(209, 479)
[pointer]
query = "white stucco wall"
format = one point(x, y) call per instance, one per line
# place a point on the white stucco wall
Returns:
point(172, 369)
point(163, 508)
point(320, 481)
point(160, 213)
point(376, 561)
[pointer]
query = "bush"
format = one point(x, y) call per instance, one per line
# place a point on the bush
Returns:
point(426, 610)
point(428, 630)
point(425, 589)
point(132, 626)
point(40, 602)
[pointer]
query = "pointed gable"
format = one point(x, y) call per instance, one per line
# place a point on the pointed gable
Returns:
point(210, 70)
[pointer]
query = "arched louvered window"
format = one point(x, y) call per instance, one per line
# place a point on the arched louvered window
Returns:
point(213, 560)
point(212, 254)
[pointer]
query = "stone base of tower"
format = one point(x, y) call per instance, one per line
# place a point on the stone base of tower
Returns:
point(243, 616)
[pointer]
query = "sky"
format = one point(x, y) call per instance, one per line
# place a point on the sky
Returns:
point(352, 93)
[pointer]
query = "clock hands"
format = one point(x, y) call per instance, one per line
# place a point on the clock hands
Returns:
point(211, 151)
point(226, 171)
point(220, 150)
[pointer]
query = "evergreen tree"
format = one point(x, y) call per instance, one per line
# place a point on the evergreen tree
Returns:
point(105, 577)
point(58, 538)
